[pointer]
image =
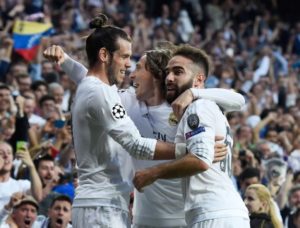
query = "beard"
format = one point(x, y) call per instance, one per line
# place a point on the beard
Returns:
point(177, 91)
point(111, 72)
point(4, 171)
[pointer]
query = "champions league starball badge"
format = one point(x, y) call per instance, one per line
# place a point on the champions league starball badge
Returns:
point(172, 119)
point(193, 121)
point(118, 111)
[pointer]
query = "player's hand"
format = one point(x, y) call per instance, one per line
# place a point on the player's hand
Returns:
point(55, 53)
point(181, 102)
point(220, 149)
point(143, 178)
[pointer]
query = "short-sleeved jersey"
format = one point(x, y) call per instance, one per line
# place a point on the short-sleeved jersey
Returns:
point(98, 119)
point(210, 194)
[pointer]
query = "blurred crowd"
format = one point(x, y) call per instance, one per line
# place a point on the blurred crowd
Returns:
point(255, 48)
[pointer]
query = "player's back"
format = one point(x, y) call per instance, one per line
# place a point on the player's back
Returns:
point(210, 194)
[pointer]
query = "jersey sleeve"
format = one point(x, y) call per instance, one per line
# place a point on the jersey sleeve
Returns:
point(225, 98)
point(74, 69)
point(106, 110)
point(198, 129)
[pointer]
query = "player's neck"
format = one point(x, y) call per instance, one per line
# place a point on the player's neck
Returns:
point(157, 99)
point(99, 71)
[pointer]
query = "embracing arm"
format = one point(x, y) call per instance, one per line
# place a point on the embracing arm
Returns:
point(189, 165)
point(226, 98)
point(139, 147)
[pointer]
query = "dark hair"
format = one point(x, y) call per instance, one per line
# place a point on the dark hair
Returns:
point(46, 157)
point(36, 84)
point(249, 173)
point(198, 56)
point(46, 98)
point(61, 198)
point(104, 36)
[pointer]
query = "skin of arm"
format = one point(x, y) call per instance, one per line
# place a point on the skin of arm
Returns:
point(36, 184)
point(187, 166)
point(164, 151)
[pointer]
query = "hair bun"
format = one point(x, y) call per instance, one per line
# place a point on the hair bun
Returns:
point(98, 22)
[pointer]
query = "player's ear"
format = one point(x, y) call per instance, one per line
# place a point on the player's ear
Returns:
point(199, 80)
point(103, 55)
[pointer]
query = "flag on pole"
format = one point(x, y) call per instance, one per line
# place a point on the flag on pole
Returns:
point(27, 37)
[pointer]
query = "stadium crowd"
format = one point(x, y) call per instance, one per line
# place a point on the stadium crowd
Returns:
point(255, 48)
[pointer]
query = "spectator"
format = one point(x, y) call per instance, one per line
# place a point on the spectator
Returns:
point(292, 206)
point(261, 207)
point(247, 177)
point(9, 185)
point(24, 213)
point(59, 214)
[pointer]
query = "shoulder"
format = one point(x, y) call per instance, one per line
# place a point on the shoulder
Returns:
point(202, 106)
point(17, 185)
point(18, 182)
point(91, 89)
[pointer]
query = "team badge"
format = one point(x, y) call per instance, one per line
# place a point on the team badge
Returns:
point(118, 111)
point(172, 119)
point(193, 121)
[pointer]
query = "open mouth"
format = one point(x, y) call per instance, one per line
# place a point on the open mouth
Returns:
point(171, 87)
point(27, 222)
point(59, 221)
point(135, 85)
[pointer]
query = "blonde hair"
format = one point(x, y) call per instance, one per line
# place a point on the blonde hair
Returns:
point(264, 195)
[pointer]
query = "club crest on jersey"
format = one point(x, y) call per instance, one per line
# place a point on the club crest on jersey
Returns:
point(193, 121)
point(118, 111)
point(172, 119)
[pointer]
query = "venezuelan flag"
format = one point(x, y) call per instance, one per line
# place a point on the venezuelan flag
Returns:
point(27, 37)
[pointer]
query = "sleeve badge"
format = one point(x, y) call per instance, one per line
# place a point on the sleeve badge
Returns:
point(118, 111)
point(193, 121)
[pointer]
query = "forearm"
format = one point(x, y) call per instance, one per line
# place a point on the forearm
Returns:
point(164, 151)
point(189, 165)
point(36, 184)
point(227, 99)
point(74, 69)
point(134, 144)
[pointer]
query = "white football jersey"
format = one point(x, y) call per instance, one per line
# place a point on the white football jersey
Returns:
point(161, 203)
point(100, 125)
point(210, 194)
